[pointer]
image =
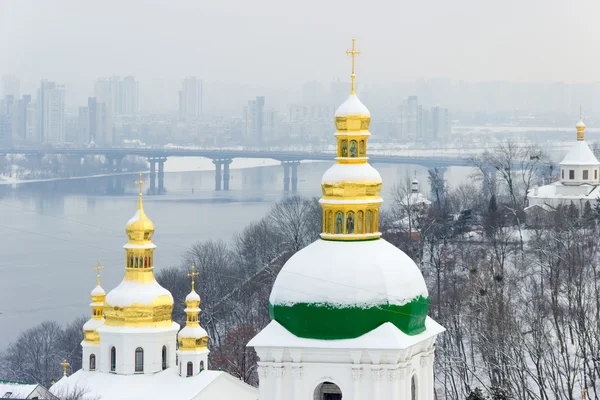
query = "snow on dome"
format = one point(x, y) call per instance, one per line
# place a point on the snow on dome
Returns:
point(352, 106)
point(135, 218)
point(192, 296)
point(351, 173)
point(342, 274)
point(580, 124)
point(580, 154)
point(98, 291)
point(192, 332)
point(134, 292)
point(93, 324)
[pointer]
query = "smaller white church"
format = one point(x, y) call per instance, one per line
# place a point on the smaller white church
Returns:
point(579, 179)
point(132, 349)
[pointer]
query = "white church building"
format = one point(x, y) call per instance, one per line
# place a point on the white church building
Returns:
point(579, 179)
point(349, 312)
point(132, 349)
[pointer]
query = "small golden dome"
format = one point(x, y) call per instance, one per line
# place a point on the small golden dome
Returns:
point(139, 228)
point(352, 116)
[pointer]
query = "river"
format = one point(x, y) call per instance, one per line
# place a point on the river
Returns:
point(52, 233)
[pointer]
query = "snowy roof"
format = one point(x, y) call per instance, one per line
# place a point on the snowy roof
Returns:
point(580, 124)
point(93, 324)
point(19, 390)
point(163, 385)
point(139, 246)
point(386, 336)
point(415, 198)
point(192, 332)
point(98, 291)
point(351, 173)
point(130, 292)
point(192, 296)
point(352, 106)
point(576, 192)
point(362, 274)
point(580, 154)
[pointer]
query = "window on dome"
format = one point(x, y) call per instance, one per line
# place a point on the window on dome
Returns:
point(585, 174)
point(571, 174)
point(344, 148)
point(413, 388)
point(164, 357)
point(562, 174)
point(361, 149)
point(339, 222)
point(92, 362)
point(350, 222)
point(353, 148)
point(113, 359)
point(190, 368)
point(201, 366)
point(139, 360)
point(369, 222)
point(359, 222)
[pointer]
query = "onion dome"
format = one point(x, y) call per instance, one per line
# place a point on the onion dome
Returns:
point(350, 281)
point(90, 335)
point(192, 337)
point(139, 301)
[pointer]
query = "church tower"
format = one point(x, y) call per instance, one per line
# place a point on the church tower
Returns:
point(580, 166)
point(193, 339)
point(138, 335)
point(349, 312)
point(91, 339)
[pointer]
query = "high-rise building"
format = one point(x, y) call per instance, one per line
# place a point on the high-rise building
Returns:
point(254, 117)
point(11, 86)
point(440, 123)
point(128, 97)
point(7, 120)
point(51, 113)
point(83, 125)
point(190, 99)
point(120, 96)
point(100, 126)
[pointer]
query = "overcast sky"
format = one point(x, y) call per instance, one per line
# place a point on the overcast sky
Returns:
point(279, 43)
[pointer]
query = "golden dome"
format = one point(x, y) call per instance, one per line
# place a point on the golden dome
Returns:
point(139, 228)
point(352, 116)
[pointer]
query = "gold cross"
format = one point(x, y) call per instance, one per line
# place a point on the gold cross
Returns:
point(64, 364)
point(141, 183)
point(353, 53)
point(98, 269)
point(580, 113)
point(193, 275)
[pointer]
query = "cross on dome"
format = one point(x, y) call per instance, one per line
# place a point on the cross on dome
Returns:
point(353, 52)
point(193, 275)
point(98, 268)
point(64, 364)
point(141, 183)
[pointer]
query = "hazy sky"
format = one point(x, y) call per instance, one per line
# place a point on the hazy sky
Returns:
point(279, 43)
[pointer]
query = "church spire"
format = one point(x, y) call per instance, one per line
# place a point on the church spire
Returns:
point(98, 295)
point(192, 336)
point(351, 187)
point(580, 126)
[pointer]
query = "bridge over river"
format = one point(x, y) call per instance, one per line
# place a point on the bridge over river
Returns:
point(223, 157)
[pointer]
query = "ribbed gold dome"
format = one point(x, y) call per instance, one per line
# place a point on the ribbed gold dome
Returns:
point(140, 228)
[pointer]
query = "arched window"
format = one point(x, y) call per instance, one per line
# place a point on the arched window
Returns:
point(113, 359)
point(353, 148)
point(359, 222)
point(339, 222)
point(201, 366)
point(92, 362)
point(344, 148)
point(413, 388)
point(327, 391)
point(350, 222)
point(562, 174)
point(190, 368)
point(361, 148)
point(139, 360)
point(585, 174)
point(369, 222)
point(164, 357)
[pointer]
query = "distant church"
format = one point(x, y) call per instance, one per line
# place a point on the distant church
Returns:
point(349, 311)
point(578, 183)
point(133, 350)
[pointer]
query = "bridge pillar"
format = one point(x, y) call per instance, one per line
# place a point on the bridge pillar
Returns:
point(111, 163)
point(218, 164)
point(152, 188)
point(161, 175)
point(226, 176)
point(286, 176)
point(295, 176)
point(118, 166)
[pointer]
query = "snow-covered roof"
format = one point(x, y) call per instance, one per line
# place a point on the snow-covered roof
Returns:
point(352, 106)
point(93, 324)
point(18, 390)
point(559, 191)
point(351, 173)
point(98, 291)
point(386, 336)
point(415, 198)
point(580, 154)
point(163, 385)
point(192, 332)
point(192, 296)
point(343, 274)
point(130, 292)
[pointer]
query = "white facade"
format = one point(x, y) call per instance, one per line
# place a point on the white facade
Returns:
point(198, 358)
point(51, 113)
point(126, 340)
point(379, 365)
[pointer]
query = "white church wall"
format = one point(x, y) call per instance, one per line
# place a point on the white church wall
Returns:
point(88, 349)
